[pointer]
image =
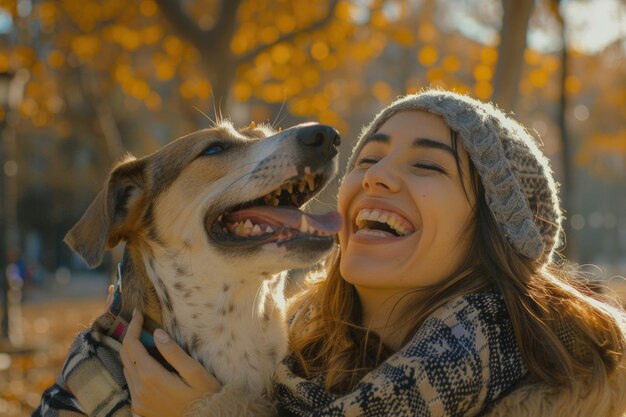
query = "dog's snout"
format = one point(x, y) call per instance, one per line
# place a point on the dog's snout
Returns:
point(319, 139)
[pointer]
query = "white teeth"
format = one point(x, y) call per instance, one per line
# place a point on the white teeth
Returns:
point(363, 215)
point(246, 228)
point(370, 232)
point(304, 225)
point(392, 219)
point(306, 181)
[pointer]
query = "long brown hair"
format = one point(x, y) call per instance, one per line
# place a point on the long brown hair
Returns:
point(563, 330)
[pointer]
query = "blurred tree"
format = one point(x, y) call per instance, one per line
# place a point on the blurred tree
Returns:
point(513, 31)
point(109, 75)
point(214, 37)
point(567, 183)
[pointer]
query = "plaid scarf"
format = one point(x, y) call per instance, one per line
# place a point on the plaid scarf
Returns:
point(460, 360)
point(92, 380)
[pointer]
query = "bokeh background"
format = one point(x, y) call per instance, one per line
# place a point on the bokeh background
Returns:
point(82, 82)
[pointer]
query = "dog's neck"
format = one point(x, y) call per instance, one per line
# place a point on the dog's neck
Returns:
point(233, 325)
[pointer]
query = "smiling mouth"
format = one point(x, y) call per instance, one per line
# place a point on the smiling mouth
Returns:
point(276, 217)
point(381, 223)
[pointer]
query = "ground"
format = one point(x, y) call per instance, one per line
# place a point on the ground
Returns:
point(48, 328)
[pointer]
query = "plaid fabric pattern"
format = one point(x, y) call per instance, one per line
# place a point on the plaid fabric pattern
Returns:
point(460, 360)
point(91, 380)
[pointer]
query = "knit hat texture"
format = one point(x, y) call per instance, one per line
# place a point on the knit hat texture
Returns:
point(519, 187)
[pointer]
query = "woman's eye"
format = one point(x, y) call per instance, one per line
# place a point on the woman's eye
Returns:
point(213, 150)
point(366, 161)
point(430, 167)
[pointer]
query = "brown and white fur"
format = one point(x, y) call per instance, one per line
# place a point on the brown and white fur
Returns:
point(220, 295)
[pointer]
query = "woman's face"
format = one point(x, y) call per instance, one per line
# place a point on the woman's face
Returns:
point(404, 207)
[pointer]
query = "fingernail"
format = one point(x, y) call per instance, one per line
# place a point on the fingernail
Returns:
point(161, 336)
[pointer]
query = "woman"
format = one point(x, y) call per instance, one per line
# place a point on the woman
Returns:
point(444, 299)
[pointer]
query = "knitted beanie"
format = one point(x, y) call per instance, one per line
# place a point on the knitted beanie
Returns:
point(519, 188)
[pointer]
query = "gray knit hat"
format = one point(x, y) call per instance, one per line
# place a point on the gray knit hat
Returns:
point(519, 188)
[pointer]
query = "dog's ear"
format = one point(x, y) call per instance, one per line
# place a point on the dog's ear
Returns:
point(111, 214)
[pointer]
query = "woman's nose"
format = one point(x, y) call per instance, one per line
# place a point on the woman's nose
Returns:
point(381, 176)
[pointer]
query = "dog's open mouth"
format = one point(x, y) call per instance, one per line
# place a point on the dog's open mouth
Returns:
point(276, 216)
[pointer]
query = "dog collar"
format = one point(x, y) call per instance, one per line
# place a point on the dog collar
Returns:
point(120, 325)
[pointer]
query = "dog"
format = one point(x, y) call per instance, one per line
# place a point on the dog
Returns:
point(210, 221)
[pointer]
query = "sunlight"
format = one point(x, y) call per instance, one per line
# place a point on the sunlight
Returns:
point(595, 25)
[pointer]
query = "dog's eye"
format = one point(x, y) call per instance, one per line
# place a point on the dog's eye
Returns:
point(213, 149)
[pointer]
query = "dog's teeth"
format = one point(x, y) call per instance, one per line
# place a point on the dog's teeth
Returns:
point(241, 230)
point(269, 230)
point(301, 186)
point(307, 170)
point(304, 225)
point(249, 224)
point(256, 230)
point(274, 201)
point(289, 188)
point(311, 182)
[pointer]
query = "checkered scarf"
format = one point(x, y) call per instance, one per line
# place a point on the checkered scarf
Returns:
point(91, 380)
point(461, 359)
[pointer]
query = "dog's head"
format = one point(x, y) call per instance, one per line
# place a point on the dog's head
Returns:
point(237, 192)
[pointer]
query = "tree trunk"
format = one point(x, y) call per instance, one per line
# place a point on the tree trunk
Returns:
point(567, 154)
point(515, 17)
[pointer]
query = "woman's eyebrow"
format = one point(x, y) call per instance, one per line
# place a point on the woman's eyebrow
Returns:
point(376, 137)
point(417, 143)
point(435, 144)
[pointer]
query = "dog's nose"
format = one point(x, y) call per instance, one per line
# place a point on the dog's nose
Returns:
point(319, 139)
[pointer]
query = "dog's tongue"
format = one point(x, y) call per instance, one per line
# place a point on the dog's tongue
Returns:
point(288, 216)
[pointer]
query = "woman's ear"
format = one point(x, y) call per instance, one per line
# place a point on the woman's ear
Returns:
point(112, 214)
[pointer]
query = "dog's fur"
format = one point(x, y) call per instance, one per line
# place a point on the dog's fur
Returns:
point(221, 301)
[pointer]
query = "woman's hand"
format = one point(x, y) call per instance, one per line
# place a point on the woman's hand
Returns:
point(155, 391)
